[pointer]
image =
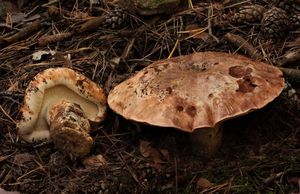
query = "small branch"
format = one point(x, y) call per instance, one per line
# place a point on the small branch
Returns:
point(24, 33)
point(273, 177)
point(44, 40)
point(10, 94)
point(289, 57)
point(50, 3)
point(243, 45)
point(128, 48)
point(236, 4)
point(210, 15)
point(292, 75)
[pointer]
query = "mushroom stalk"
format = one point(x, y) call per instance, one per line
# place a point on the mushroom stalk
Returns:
point(69, 128)
point(206, 141)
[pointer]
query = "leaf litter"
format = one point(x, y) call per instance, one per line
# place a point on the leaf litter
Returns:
point(259, 154)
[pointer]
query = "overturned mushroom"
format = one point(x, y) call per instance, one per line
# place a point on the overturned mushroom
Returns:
point(59, 103)
point(196, 93)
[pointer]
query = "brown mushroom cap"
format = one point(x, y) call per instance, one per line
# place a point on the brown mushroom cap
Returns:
point(196, 91)
point(51, 86)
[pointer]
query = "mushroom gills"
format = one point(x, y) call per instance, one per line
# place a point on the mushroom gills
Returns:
point(69, 128)
point(65, 101)
point(206, 141)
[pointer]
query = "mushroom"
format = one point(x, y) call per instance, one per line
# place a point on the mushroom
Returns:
point(59, 103)
point(196, 93)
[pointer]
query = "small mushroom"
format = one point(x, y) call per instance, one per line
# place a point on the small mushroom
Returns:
point(196, 93)
point(59, 103)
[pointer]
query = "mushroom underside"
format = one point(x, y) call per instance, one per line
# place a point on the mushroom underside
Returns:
point(59, 103)
point(64, 118)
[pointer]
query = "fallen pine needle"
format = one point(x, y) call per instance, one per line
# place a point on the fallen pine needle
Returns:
point(7, 115)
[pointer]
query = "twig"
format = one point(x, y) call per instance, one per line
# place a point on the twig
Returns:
point(236, 4)
point(289, 57)
point(128, 48)
point(30, 172)
point(6, 178)
point(5, 157)
point(174, 48)
point(50, 3)
point(12, 94)
point(44, 40)
point(273, 177)
point(194, 32)
point(25, 32)
point(190, 3)
point(214, 189)
point(243, 45)
point(292, 75)
point(8, 116)
point(133, 174)
point(210, 14)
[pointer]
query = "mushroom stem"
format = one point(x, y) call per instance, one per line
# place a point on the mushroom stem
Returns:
point(69, 128)
point(206, 141)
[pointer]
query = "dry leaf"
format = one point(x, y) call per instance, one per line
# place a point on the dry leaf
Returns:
point(166, 154)
point(14, 18)
point(148, 151)
point(203, 183)
point(94, 161)
point(116, 60)
point(3, 158)
point(8, 6)
point(79, 15)
point(23, 158)
point(10, 11)
point(145, 148)
point(37, 56)
point(92, 2)
point(2, 191)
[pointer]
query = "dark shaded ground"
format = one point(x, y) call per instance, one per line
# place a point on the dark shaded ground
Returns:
point(260, 152)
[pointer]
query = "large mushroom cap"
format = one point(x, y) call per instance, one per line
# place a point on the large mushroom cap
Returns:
point(52, 86)
point(196, 91)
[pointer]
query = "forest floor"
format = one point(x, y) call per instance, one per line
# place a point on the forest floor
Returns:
point(260, 152)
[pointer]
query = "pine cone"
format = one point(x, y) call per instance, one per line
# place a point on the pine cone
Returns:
point(275, 23)
point(289, 5)
point(116, 19)
point(295, 20)
point(248, 14)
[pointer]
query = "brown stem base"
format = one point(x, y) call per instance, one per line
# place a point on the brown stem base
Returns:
point(207, 141)
point(69, 129)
